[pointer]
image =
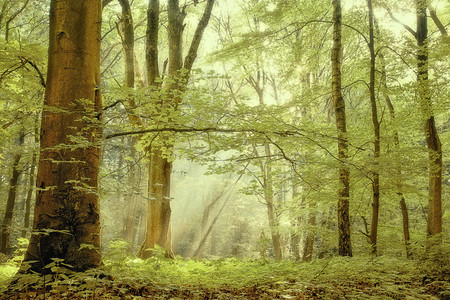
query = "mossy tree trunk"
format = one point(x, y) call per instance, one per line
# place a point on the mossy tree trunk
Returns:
point(345, 246)
point(432, 137)
point(376, 131)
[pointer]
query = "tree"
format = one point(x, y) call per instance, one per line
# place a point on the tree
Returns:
point(345, 247)
point(66, 218)
point(160, 165)
point(397, 167)
point(432, 137)
point(376, 130)
point(14, 180)
point(423, 94)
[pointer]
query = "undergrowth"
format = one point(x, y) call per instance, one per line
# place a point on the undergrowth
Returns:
point(126, 277)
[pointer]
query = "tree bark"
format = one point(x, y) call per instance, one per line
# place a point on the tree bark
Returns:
point(397, 167)
point(128, 42)
point(271, 207)
point(432, 137)
point(66, 219)
point(295, 238)
point(345, 246)
point(376, 130)
point(151, 46)
point(160, 165)
point(9, 212)
point(32, 183)
point(309, 242)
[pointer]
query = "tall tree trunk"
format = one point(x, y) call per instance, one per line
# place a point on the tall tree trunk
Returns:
point(295, 226)
point(432, 138)
point(271, 207)
point(376, 130)
point(160, 165)
point(128, 42)
point(131, 198)
point(127, 35)
point(397, 167)
point(66, 219)
point(345, 246)
point(9, 212)
point(151, 45)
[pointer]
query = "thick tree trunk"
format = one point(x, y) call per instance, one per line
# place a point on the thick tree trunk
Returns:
point(432, 138)
point(345, 246)
point(158, 211)
point(376, 130)
point(9, 212)
point(66, 220)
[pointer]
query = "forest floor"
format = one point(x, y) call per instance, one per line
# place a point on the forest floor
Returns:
point(158, 278)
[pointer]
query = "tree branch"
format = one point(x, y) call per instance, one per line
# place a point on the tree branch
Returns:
point(201, 26)
point(438, 22)
point(401, 23)
point(105, 3)
point(35, 67)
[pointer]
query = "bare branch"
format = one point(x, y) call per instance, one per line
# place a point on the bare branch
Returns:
point(438, 22)
point(401, 23)
point(105, 3)
point(202, 24)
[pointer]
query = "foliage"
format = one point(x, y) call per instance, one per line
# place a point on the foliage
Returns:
point(160, 278)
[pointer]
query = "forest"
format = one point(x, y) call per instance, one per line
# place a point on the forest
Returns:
point(224, 149)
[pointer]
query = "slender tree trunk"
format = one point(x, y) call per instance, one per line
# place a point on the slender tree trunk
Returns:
point(295, 238)
point(128, 42)
point(295, 226)
point(345, 246)
point(199, 251)
point(432, 137)
point(127, 35)
point(405, 223)
point(274, 231)
point(205, 226)
point(131, 199)
point(397, 168)
point(151, 46)
point(32, 184)
point(66, 219)
point(376, 130)
point(9, 212)
point(271, 207)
